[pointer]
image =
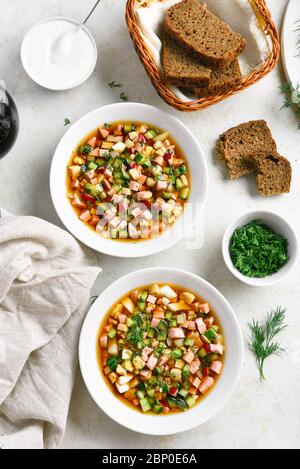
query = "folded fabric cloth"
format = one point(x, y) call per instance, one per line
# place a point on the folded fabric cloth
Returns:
point(237, 13)
point(45, 283)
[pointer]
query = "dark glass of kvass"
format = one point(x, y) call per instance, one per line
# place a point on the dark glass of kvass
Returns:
point(9, 121)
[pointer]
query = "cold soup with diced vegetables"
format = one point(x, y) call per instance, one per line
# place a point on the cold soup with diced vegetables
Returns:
point(128, 181)
point(161, 348)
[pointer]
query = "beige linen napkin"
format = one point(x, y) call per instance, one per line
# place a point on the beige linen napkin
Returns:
point(45, 283)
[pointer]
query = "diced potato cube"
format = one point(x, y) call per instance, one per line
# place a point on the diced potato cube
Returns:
point(180, 306)
point(119, 147)
point(124, 379)
point(126, 354)
point(129, 305)
point(187, 297)
point(138, 363)
point(127, 364)
point(74, 171)
point(129, 143)
point(112, 377)
point(175, 374)
point(154, 290)
point(168, 292)
point(121, 371)
point(122, 388)
point(133, 135)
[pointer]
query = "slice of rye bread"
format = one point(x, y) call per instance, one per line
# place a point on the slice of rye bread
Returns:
point(274, 173)
point(203, 32)
point(237, 146)
point(180, 67)
point(223, 78)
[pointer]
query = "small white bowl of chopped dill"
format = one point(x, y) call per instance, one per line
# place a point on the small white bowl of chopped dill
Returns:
point(260, 248)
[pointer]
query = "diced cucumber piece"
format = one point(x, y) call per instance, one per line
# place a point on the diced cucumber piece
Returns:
point(151, 392)
point(151, 333)
point(128, 128)
point(178, 184)
point(91, 165)
point(162, 336)
point(141, 304)
point(176, 354)
point(100, 162)
point(140, 394)
point(202, 353)
point(180, 171)
point(161, 137)
point(189, 342)
point(183, 392)
point(167, 195)
point(138, 158)
point(144, 295)
point(150, 182)
point(210, 334)
point(173, 323)
point(157, 409)
point(191, 401)
point(163, 325)
point(168, 316)
point(151, 134)
point(130, 322)
point(112, 333)
point(184, 193)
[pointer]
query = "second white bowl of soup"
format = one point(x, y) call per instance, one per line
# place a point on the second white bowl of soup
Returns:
point(161, 351)
point(129, 180)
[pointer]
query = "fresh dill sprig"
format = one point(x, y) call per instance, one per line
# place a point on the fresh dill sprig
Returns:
point(292, 98)
point(261, 341)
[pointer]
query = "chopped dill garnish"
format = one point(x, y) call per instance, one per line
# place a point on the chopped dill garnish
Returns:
point(257, 251)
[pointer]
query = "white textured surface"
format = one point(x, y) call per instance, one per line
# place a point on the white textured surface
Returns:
point(261, 416)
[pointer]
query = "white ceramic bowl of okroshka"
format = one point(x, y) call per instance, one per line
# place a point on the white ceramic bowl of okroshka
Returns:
point(113, 404)
point(189, 148)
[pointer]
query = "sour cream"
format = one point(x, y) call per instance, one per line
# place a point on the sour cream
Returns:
point(59, 53)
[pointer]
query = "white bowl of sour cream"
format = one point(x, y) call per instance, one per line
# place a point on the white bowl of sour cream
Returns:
point(59, 53)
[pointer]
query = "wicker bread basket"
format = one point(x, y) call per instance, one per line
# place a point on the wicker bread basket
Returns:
point(267, 26)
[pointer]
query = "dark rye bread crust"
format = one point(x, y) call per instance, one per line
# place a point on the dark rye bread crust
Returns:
point(274, 173)
point(237, 146)
point(203, 32)
point(223, 78)
point(180, 67)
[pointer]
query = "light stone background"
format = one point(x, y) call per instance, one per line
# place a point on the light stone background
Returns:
point(259, 415)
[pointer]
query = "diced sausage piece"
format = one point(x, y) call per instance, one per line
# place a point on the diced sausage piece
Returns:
point(196, 382)
point(109, 215)
point(163, 360)
point(103, 132)
point(194, 367)
point(188, 356)
point(201, 325)
point(191, 325)
point(146, 374)
point(75, 184)
point(209, 322)
point(95, 152)
point(158, 313)
point(151, 299)
point(169, 342)
point(136, 212)
point(134, 173)
point(148, 350)
point(103, 341)
point(76, 202)
point(151, 363)
point(134, 186)
point(155, 322)
point(216, 367)
point(176, 333)
point(122, 318)
point(216, 348)
point(207, 383)
point(92, 142)
point(161, 185)
point(85, 216)
point(144, 195)
point(90, 174)
point(115, 222)
point(142, 178)
point(204, 308)
point(94, 220)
